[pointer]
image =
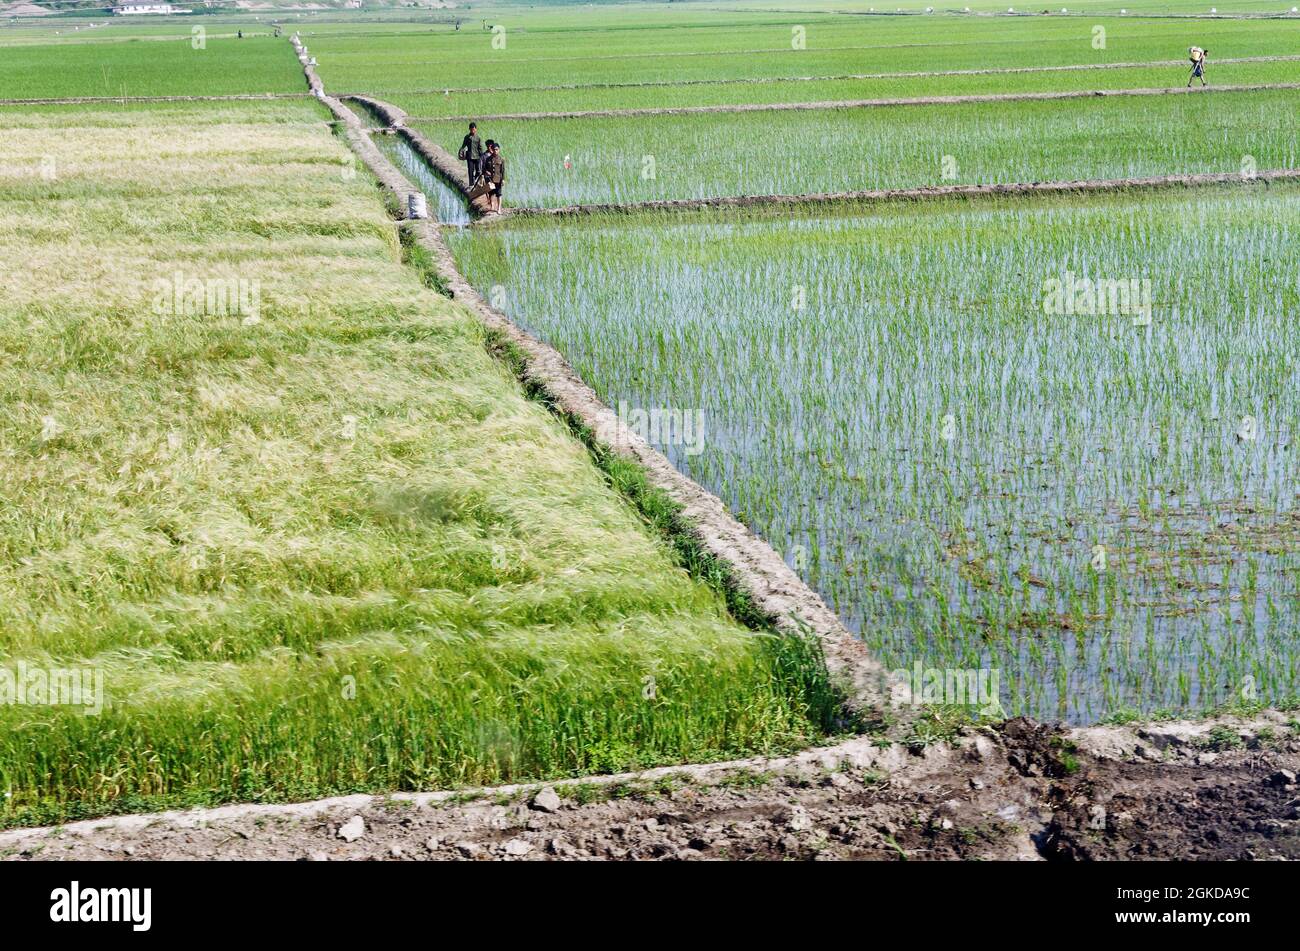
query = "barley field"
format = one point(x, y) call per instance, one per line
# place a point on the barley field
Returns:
point(280, 497)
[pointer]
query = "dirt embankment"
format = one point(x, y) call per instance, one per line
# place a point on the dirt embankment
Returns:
point(1018, 790)
point(911, 194)
point(314, 85)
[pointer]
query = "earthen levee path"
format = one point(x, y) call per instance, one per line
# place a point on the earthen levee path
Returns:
point(923, 193)
point(1224, 789)
point(95, 100)
point(824, 104)
point(919, 74)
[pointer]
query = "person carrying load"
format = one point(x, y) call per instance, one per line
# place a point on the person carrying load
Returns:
point(1197, 56)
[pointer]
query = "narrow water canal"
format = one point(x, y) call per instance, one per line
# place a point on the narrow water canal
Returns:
point(445, 201)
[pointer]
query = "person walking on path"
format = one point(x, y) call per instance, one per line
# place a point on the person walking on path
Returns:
point(494, 170)
point(471, 151)
point(1198, 65)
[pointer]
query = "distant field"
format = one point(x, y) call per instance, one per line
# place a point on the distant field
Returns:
point(149, 67)
point(760, 46)
point(891, 400)
point(312, 534)
point(699, 156)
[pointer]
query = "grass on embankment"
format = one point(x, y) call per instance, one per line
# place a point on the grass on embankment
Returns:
point(319, 544)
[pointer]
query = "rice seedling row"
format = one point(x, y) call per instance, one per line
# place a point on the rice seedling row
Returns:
point(558, 162)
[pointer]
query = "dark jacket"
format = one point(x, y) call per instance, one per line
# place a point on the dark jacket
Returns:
point(494, 167)
point(473, 147)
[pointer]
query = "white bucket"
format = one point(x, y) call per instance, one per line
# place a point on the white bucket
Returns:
point(417, 206)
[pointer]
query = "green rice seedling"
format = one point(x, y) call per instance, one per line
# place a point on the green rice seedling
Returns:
point(611, 49)
point(459, 103)
point(825, 151)
point(1093, 499)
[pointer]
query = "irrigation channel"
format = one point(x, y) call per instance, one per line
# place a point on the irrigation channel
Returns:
point(776, 590)
point(446, 201)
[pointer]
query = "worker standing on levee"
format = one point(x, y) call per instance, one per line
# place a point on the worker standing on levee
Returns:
point(471, 153)
point(494, 170)
point(1198, 65)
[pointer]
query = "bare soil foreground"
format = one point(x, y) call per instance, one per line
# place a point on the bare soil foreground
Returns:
point(1220, 789)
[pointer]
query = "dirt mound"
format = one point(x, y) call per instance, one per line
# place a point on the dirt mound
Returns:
point(1224, 791)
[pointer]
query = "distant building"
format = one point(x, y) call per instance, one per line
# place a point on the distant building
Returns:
point(137, 7)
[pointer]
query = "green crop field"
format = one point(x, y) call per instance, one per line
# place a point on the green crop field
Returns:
point(147, 66)
point(451, 103)
point(296, 508)
point(311, 535)
point(756, 153)
point(761, 46)
point(887, 401)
